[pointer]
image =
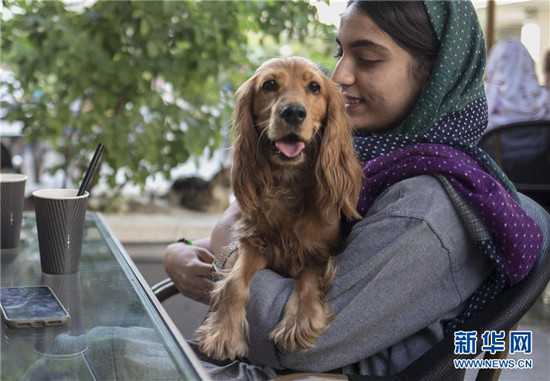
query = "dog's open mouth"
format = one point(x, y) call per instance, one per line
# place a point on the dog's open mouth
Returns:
point(290, 146)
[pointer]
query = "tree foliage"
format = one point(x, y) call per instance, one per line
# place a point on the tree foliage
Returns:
point(152, 80)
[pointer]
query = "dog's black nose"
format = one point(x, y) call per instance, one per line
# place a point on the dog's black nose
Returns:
point(293, 113)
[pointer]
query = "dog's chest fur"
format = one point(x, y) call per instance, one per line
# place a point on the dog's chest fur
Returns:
point(300, 236)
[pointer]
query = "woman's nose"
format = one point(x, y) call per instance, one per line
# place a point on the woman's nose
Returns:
point(343, 73)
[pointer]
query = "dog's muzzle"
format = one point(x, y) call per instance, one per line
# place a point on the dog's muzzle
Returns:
point(293, 113)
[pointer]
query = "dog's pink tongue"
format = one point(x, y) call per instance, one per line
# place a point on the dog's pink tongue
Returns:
point(290, 149)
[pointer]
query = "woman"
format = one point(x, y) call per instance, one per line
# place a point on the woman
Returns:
point(411, 73)
point(513, 90)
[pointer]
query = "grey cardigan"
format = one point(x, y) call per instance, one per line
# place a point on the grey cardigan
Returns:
point(406, 267)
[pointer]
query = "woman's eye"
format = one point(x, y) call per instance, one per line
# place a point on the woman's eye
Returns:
point(270, 85)
point(368, 62)
point(314, 87)
point(338, 53)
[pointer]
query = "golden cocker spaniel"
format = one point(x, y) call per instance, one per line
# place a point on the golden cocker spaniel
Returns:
point(295, 175)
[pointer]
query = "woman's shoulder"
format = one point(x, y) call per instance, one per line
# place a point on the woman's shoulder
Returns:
point(420, 206)
point(424, 200)
point(420, 197)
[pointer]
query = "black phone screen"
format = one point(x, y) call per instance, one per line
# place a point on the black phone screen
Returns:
point(30, 303)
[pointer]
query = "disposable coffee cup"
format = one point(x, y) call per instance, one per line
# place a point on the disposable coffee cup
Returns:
point(12, 196)
point(60, 216)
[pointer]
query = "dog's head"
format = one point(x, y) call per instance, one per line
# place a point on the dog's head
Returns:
point(288, 105)
point(289, 116)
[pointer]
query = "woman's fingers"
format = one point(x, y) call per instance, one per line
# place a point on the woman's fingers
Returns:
point(197, 288)
point(203, 285)
point(197, 295)
point(190, 268)
point(204, 255)
point(199, 268)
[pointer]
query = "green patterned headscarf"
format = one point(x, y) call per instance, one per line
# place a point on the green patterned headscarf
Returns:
point(457, 75)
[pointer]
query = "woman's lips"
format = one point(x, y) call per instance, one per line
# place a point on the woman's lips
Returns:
point(353, 103)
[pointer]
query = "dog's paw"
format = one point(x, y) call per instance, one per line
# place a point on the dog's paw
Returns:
point(295, 334)
point(221, 341)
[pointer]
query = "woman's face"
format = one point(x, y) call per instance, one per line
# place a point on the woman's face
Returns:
point(375, 74)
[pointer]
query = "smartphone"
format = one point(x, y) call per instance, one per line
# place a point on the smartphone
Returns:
point(31, 307)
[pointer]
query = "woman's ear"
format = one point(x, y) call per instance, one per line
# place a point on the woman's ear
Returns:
point(338, 169)
point(245, 136)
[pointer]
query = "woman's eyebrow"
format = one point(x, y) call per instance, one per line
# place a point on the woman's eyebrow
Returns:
point(369, 45)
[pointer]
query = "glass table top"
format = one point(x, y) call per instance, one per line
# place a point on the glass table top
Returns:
point(117, 330)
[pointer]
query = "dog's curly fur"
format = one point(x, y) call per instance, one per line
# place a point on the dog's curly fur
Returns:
point(291, 205)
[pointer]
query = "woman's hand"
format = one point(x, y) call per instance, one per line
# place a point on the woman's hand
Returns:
point(190, 268)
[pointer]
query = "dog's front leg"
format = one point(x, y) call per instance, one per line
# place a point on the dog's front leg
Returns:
point(307, 314)
point(223, 335)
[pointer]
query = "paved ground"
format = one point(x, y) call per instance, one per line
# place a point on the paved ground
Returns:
point(145, 237)
point(152, 228)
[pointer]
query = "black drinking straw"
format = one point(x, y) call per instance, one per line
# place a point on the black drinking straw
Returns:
point(91, 170)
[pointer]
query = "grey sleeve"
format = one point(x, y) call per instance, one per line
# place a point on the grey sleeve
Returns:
point(394, 278)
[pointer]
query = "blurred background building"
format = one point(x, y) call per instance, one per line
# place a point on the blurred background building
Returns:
point(525, 20)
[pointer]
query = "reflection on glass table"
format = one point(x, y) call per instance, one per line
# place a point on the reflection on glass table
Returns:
point(117, 330)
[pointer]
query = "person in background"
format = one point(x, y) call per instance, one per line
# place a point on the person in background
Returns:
point(513, 90)
point(514, 95)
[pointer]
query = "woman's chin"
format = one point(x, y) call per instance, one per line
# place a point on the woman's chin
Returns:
point(366, 123)
point(362, 124)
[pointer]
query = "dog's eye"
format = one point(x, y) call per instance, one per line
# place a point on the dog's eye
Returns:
point(270, 85)
point(314, 87)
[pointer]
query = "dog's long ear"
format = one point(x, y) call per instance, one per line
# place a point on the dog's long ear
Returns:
point(337, 169)
point(244, 180)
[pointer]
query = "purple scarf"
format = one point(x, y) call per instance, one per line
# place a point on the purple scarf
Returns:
point(517, 239)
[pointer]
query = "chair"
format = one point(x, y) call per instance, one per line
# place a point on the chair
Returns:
point(164, 289)
point(523, 151)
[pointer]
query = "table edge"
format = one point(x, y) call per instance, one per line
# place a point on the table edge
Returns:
point(198, 368)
